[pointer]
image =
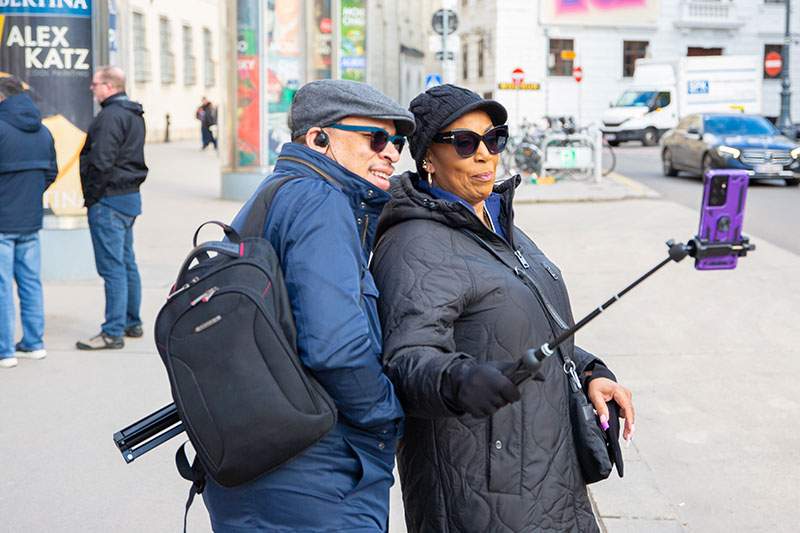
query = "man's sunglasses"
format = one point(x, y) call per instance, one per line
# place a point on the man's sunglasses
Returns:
point(378, 137)
point(466, 142)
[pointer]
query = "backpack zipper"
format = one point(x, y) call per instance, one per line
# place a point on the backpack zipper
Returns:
point(205, 297)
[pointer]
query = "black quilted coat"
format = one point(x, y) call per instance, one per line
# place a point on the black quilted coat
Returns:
point(445, 298)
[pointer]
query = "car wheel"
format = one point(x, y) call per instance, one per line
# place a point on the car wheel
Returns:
point(666, 163)
point(706, 166)
point(613, 143)
point(650, 137)
point(792, 182)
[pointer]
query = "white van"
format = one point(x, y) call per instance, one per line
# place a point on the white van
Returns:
point(664, 91)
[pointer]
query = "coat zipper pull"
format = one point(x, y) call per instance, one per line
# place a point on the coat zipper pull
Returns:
point(206, 296)
point(521, 259)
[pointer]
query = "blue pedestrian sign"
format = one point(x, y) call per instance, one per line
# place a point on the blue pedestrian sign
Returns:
point(432, 80)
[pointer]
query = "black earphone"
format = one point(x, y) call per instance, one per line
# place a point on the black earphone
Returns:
point(321, 139)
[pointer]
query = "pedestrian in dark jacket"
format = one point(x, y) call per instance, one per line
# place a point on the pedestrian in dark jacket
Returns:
point(27, 168)
point(207, 115)
point(347, 138)
point(112, 169)
point(478, 454)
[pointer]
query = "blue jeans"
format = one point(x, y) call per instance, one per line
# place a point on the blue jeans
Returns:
point(20, 261)
point(112, 239)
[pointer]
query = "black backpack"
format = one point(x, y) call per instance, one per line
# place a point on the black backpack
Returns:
point(227, 339)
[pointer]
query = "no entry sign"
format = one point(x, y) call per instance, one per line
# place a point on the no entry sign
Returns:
point(577, 73)
point(773, 64)
point(517, 76)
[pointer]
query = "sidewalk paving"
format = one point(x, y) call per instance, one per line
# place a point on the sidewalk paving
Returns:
point(712, 359)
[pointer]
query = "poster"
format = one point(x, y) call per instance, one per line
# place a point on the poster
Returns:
point(248, 85)
point(321, 40)
point(353, 37)
point(600, 12)
point(50, 50)
point(285, 66)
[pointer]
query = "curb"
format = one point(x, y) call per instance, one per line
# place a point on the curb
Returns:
point(613, 188)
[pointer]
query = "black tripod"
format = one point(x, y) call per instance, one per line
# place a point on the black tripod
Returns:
point(159, 427)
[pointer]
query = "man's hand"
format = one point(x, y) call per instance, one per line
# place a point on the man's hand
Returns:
point(602, 390)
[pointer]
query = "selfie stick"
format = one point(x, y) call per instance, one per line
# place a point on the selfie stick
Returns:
point(531, 361)
point(162, 425)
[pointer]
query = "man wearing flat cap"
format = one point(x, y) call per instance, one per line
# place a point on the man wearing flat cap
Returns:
point(347, 138)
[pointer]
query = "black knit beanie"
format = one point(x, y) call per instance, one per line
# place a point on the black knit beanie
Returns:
point(441, 105)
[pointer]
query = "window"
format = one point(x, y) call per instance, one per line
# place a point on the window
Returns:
point(662, 100)
point(631, 51)
point(465, 60)
point(481, 51)
point(167, 57)
point(560, 58)
point(209, 67)
point(768, 49)
point(189, 61)
point(695, 51)
point(141, 55)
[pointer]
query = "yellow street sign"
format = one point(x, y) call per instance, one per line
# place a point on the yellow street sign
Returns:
point(521, 87)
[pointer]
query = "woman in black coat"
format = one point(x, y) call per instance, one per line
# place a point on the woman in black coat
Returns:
point(479, 454)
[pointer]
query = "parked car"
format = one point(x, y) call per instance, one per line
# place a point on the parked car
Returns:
point(703, 141)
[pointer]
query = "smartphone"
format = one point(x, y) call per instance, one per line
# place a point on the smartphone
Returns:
point(722, 215)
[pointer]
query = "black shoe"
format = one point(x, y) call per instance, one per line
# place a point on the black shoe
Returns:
point(101, 341)
point(134, 331)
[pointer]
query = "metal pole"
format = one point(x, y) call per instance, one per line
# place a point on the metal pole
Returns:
point(444, 42)
point(785, 119)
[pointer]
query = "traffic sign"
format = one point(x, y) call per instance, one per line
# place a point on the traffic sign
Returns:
point(438, 21)
point(451, 56)
point(432, 80)
point(577, 73)
point(517, 76)
point(773, 64)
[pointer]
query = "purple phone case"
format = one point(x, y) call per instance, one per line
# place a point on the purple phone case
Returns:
point(722, 223)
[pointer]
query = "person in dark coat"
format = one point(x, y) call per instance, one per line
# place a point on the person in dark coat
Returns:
point(207, 115)
point(112, 170)
point(347, 139)
point(479, 454)
point(27, 168)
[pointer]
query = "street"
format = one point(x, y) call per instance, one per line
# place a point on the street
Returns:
point(711, 358)
point(772, 208)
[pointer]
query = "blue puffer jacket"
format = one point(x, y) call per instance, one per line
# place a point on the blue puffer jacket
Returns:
point(27, 165)
point(323, 230)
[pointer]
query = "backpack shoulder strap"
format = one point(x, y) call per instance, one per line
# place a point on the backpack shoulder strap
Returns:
point(193, 473)
point(254, 223)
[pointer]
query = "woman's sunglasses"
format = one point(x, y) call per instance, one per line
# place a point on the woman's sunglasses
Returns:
point(378, 137)
point(466, 142)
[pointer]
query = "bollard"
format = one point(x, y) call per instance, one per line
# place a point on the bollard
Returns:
point(166, 130)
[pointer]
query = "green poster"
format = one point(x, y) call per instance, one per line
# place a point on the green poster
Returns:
point(353, 31)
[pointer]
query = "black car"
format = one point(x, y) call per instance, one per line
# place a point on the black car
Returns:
point(704, 141)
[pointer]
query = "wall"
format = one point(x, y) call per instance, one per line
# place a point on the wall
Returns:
point(179, 98)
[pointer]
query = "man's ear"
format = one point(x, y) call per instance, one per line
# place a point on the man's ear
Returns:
point(313, 140)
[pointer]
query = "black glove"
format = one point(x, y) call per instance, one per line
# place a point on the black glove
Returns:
point(479, 389)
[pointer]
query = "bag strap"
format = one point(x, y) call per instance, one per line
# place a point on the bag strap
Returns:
point(551, 313)
point(257, 217)
point(194, 473)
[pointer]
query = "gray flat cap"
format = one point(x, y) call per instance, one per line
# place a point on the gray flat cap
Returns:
point(325, 102)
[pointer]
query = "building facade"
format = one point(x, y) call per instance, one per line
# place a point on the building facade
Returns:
point(170, 51)
point(546, 39)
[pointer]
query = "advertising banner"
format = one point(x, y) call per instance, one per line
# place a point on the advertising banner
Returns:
point(48, 45)
point(285, 67)
point(600, 12)
point(353, 38)
point(248, 85)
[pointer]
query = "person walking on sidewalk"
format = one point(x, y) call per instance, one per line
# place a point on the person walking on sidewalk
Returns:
point(112, 170)
point(479, 454)
point(347, 139)
point(207, 115)
point(27, 168)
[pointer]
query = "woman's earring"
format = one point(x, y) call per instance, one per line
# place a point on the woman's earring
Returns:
point(427, 168)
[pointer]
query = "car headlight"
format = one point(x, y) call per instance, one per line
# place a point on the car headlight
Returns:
point(728, 151)
point(795, 153)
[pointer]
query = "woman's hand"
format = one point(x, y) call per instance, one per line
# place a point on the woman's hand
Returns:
point(602, 390)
